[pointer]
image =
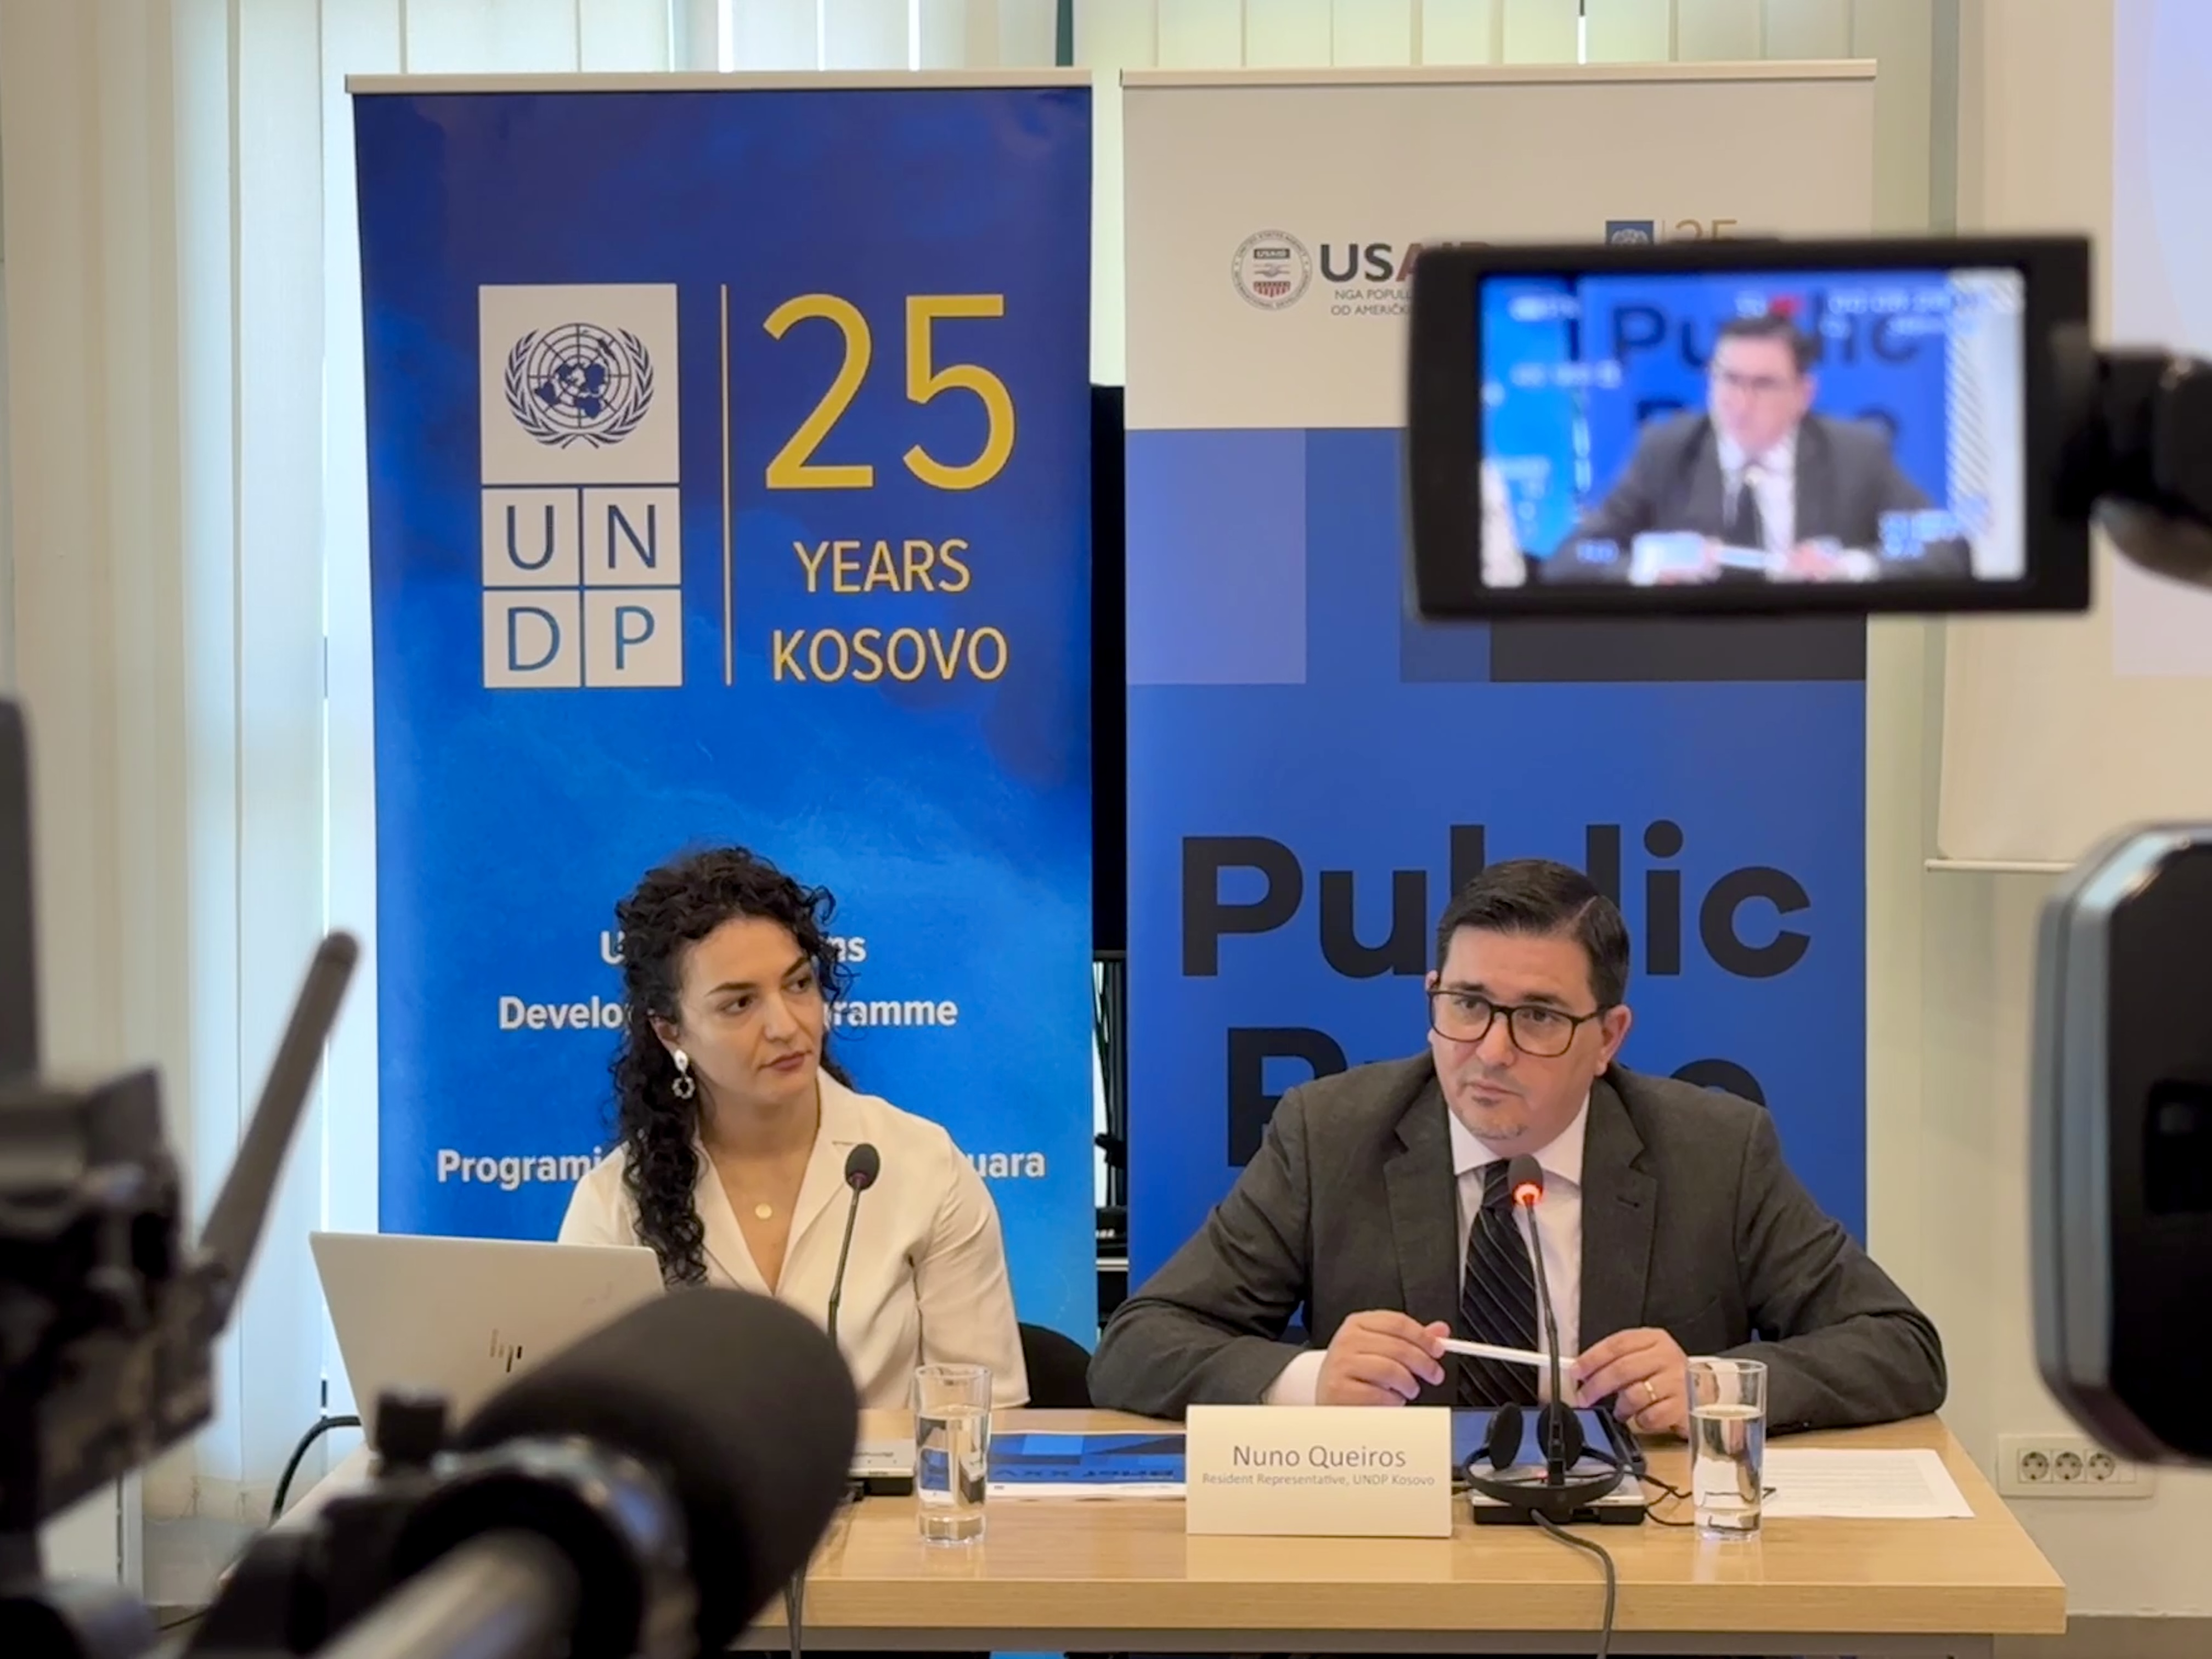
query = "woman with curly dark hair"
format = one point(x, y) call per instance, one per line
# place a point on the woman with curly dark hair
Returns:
point(735, 1123)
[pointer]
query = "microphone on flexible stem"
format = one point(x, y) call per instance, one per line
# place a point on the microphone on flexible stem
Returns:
point(862, 1165)
point(1524, 1179)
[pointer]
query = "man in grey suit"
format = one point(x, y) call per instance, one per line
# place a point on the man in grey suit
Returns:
point(1376, 1203)
point(1758, 475)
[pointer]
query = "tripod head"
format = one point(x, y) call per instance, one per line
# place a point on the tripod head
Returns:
point(108, 1312)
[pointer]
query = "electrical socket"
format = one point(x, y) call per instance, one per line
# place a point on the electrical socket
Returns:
point(2066, 1465)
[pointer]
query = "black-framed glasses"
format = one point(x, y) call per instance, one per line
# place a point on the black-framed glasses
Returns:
point(1538, 1030)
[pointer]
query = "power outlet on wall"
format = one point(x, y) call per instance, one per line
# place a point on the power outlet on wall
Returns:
point(2065, 1466)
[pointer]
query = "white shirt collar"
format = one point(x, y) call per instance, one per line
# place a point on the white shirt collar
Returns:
point(1779, 462)
point(1562, 1159)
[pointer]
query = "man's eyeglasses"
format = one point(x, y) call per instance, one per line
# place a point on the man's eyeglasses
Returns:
point(1762, 385)
point(1537, 1031)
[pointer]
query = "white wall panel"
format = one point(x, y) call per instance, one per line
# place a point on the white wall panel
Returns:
point(1462, 31)
point(1539, 31)
point(1721, 31)
point(1805, 29)
point(617, 34)
point(1364, 33)
point(864, 34)
point(1201, 33)
point(517, 37)
point(1289, 34)
point(775, 34)
point(1628, 31)
point(1110, 36)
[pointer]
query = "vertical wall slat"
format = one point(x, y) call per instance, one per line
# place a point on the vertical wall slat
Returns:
point(1289, 33)
point(484, 37)
point(1808, 29)
point(1110, 36)
point(1462, 31)
point(1201, 33)
point(1365, 34)
point(864, 34)
point(1629, 31)
point(1539, 31)
point(1900, 36)
point(1719, 31)
point(610, 34)
point(773, 34)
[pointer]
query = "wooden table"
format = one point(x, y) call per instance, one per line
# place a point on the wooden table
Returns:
point(1120, 1576)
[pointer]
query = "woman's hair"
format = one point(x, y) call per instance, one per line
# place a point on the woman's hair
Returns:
point(670, 910)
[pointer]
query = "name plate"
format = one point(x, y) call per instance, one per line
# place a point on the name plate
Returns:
point(1318, 1470)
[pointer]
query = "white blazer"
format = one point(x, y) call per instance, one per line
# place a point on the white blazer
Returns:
point(926, 1283)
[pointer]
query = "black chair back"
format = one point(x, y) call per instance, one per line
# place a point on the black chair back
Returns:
point(1058, 1369)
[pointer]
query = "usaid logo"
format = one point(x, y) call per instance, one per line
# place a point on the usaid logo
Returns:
point(582, 524)
point(1641, 232)
point(1271, 269)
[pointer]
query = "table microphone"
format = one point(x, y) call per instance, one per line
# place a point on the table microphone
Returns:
point(734, 1401)
point(1524, 1179)
point(862, 1165)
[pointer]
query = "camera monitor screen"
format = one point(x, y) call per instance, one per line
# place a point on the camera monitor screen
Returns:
point(1771, 437)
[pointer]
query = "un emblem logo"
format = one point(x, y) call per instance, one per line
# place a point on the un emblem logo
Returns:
point(579, 383)
point(1630, 233)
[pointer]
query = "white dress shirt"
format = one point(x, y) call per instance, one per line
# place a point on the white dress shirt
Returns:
point(1558, 1218)
point(1775, 486)
point(926, 1282)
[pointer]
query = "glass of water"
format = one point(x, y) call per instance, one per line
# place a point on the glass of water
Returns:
point(1728, 1444)
point(951, 1451)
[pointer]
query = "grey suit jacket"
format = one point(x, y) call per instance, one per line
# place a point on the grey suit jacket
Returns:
point(1691, 1222)
point(1846, 479)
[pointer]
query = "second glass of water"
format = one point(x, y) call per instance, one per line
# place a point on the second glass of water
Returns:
point(1727, 1445)
point(951, 1451)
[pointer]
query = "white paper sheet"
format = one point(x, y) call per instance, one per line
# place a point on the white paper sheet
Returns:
point(1016, 1491)
point(1862, 1486)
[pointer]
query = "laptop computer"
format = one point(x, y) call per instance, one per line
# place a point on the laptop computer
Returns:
point(461, 1316)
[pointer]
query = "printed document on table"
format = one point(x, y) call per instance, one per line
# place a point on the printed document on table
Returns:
point(1862, 1486)
point(1033, 1464)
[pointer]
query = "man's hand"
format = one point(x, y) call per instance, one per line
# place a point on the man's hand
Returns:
point(1646, 1375)
point(1380, 1360)
point(1812, 562)
point(1707, 568)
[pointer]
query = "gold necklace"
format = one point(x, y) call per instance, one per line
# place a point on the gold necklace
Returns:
point(766, 1211)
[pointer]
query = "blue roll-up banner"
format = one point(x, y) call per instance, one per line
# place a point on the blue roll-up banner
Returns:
point(1311, 771)
point(729, 479)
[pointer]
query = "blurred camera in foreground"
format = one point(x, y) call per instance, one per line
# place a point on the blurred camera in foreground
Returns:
point(1774, 429)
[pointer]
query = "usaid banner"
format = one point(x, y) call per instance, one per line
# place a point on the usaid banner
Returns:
point(1311, 773)
point(729, 482)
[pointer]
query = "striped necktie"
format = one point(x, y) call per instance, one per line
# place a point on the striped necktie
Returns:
point(1497, 1298)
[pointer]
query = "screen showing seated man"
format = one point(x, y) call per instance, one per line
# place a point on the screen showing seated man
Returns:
point(1653, 428)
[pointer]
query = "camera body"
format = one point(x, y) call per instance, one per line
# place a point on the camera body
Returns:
point(2121, 1150)
point(1850, 428)
point(1576, 425)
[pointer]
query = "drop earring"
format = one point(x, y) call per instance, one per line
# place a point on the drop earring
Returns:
point(684, 1088)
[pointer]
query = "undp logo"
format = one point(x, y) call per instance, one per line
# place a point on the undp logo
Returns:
point(1271, 269)
point(582, 515)
point(579, 383)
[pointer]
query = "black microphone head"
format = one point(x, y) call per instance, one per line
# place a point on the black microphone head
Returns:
point(740, 1403)
point(862, 1165)
point(1524, 1179)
